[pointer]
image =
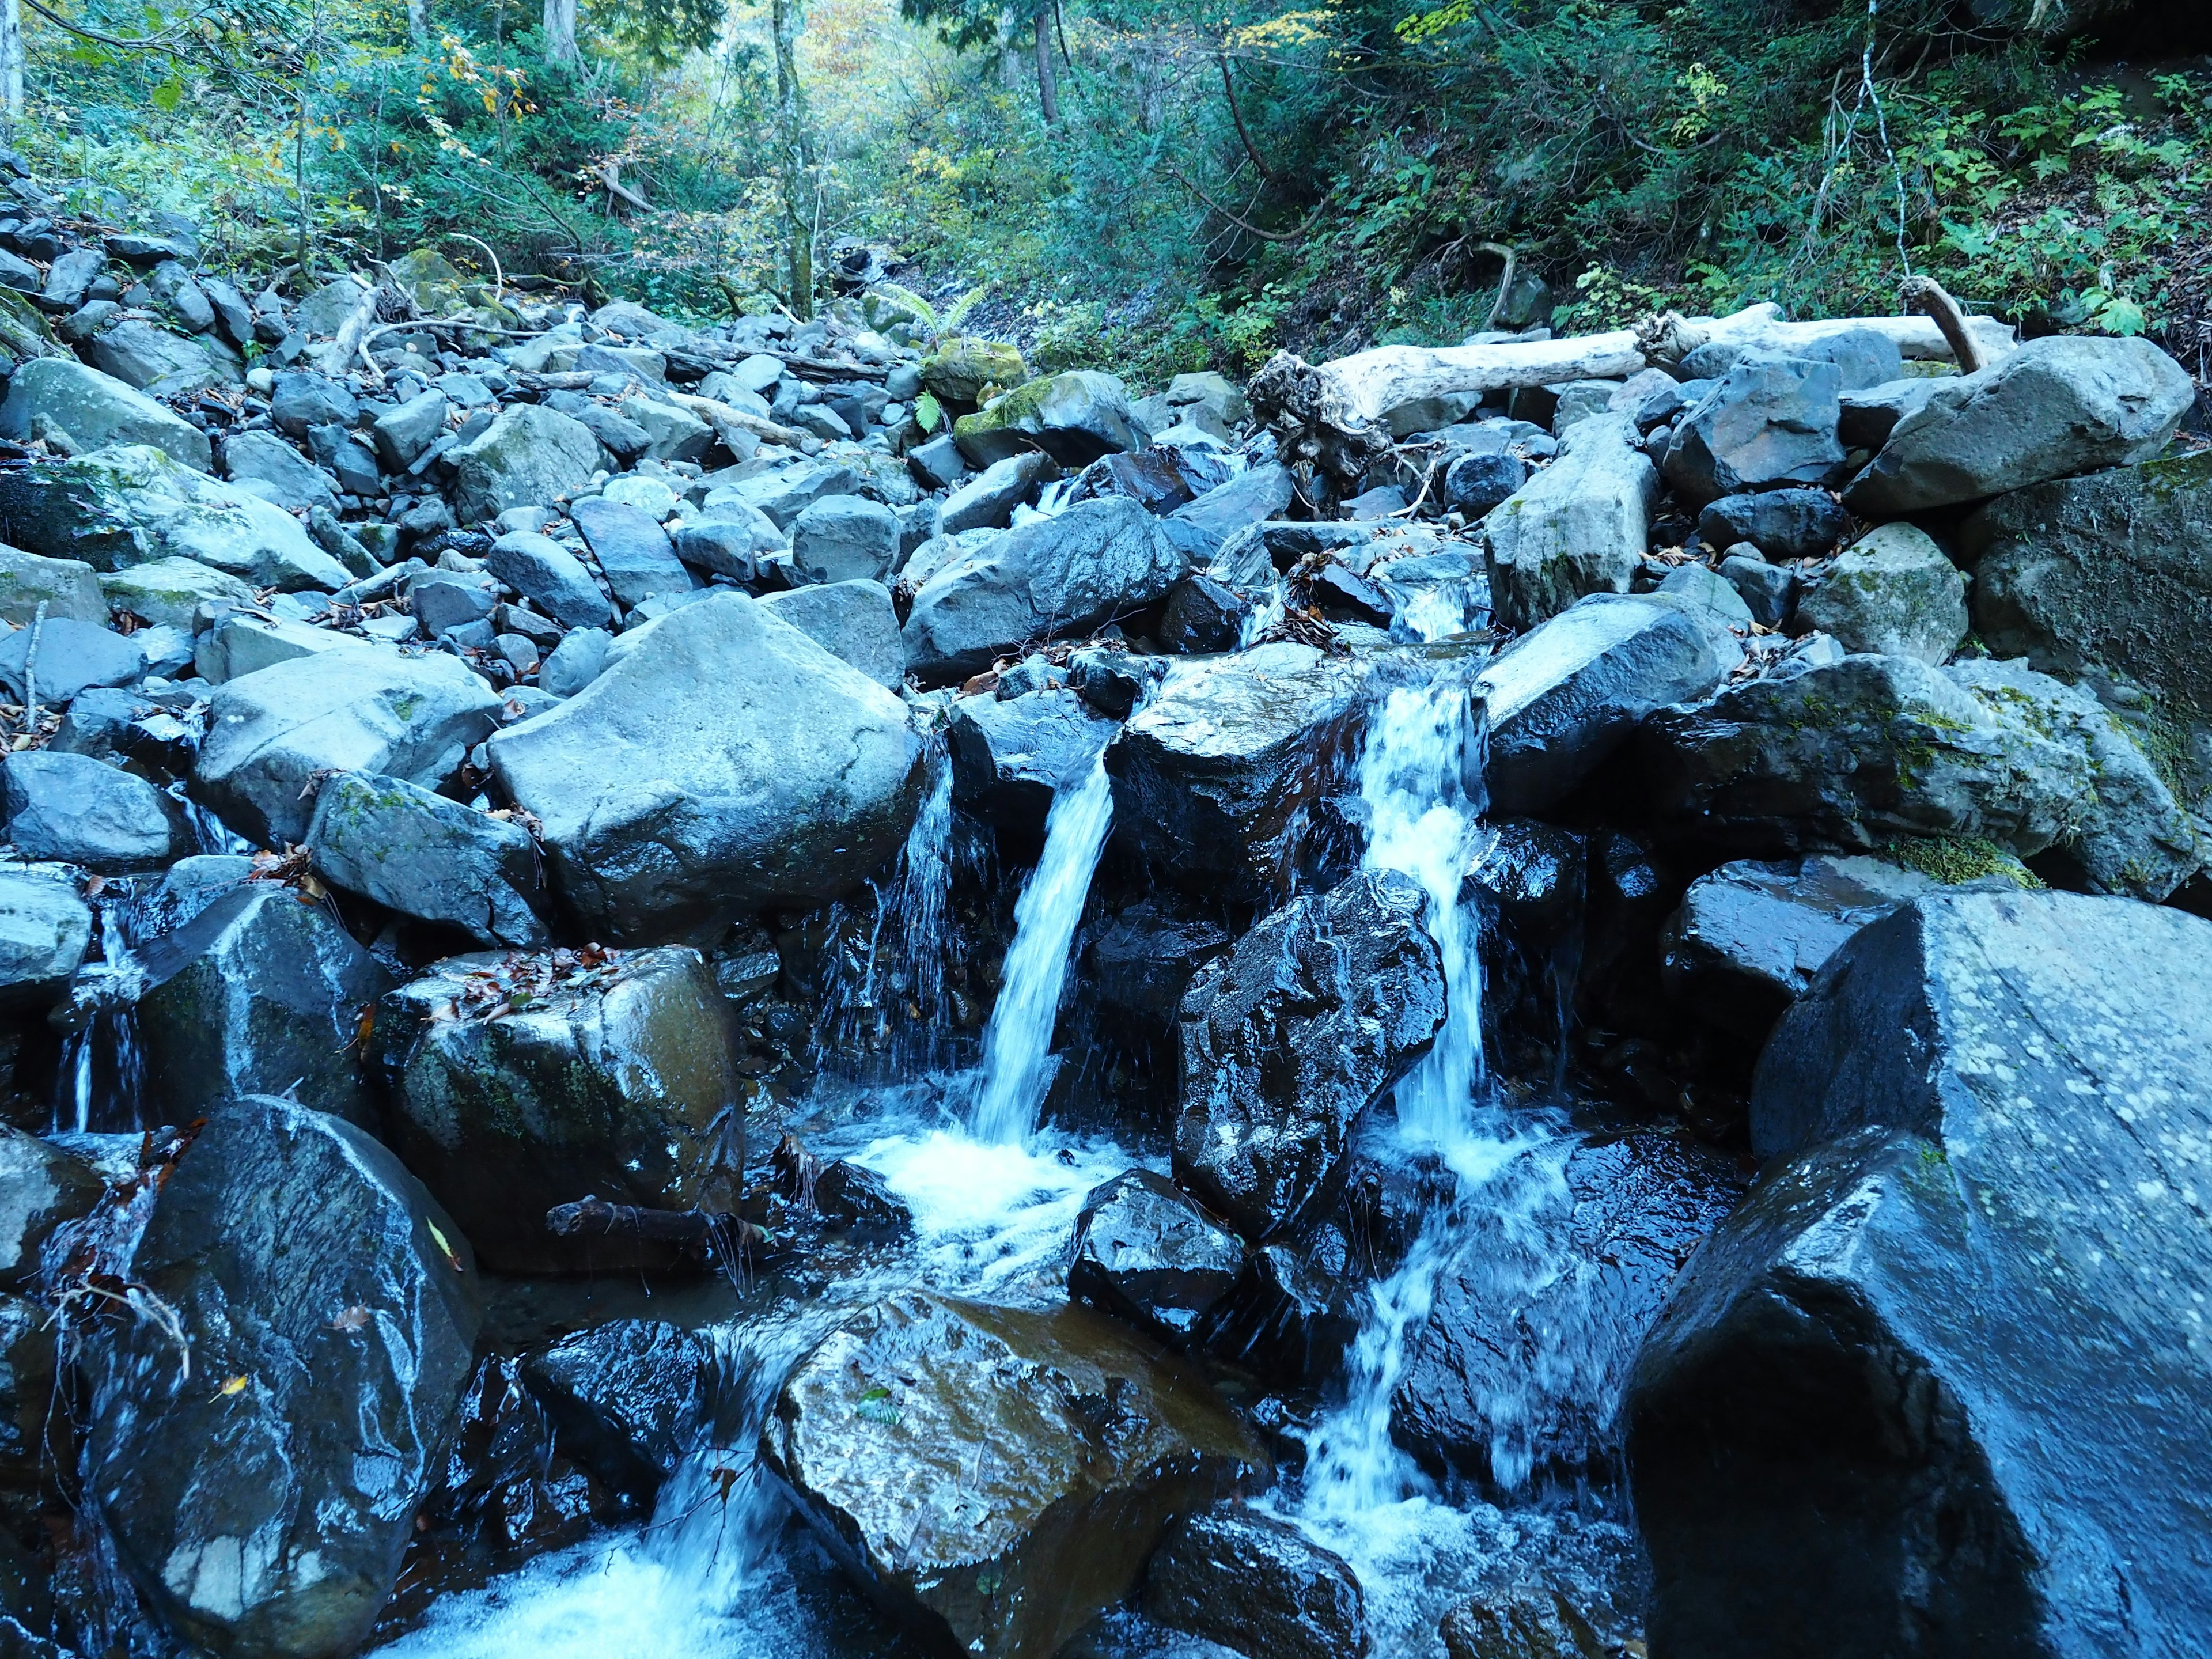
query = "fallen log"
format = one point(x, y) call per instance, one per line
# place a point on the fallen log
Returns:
point(593, 1217)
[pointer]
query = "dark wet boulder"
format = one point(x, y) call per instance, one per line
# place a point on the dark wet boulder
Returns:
point(628, 1399)
point(505, 1491)
point(261, 1498)
point(1294, 1313)
point(518, 1082)
point(1532, 1621)
point(849, 1194)
point(41, 1188)
point(1144, 1250)
point(260, 993)
point(1769, 421)
point(1562, 1265)
point(32, 1439)
point(1288, 1040)
point(1782, 524)
point(722, 761)
point(1938, 1388)
point(271, 731)
point(428, 857)
point(1061, 576)
point(1562, 697)
point(998, 1476)
point(1222, 780)
point(1010, 755)
point(1139, 965)
point(80, 810)
point(1257, 1585)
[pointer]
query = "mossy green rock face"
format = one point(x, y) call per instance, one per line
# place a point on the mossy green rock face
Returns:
point(1850, 753)
point(958, 372)
point(130, 504)
point(999, 1474)
point(1074, 417)
point(167, 593)
point(2107, 580)
point(617, 1080)
point(96, 409)
point(261, 1500)
point(1891, 591)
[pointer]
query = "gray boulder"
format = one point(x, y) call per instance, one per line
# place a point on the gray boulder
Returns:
point(988, 500)
point(617, 1080)
point(2060, 405)
point(1146, 1251)
point(1288, 1040)
point(273, 469)
point(167, 592)
point(418, 853)
point(633, 550)
point(95, 409)
point(1768, 592)
point(1256, 1584)
point(268, 1518)
point(1253, 497)
point(845, 539)
point(530, 456)
point(1579, 526)
point(1867, 1422)
point(41, 1189)
point(259, 993)
point(1052, 577)
point(67, 587)
point(671, 434)
point(727, 540)
point(575, 662)
point(1769, 421)
point(301, 401)
point(853, 621)
point(1562, 697)
point(1090, 1445)
point(403, 432)
point(1782, 524)
point(1893, 591)
point(269, 732)
point(1696, 587)
point(46, 928)
point(1074, 417)
point(721, 761)
point(1010, 756)
point(541, 570)
point(241, 643)
point(346, 457)
point(1869, 416)
point(782, 495)
point(145, 355)
point(76, 810)
point(72, 655)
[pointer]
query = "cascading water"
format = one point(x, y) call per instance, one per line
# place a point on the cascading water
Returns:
point(1017, 1046)
point(103, 1070)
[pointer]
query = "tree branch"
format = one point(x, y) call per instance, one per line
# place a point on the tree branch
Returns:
point(1239, 221)
point(1229, 91)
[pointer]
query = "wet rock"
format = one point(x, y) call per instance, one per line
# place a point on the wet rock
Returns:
point(129, 505)
point(633, 551)
point(436, 860)
point(628, 1399)
point(1866, 1420)
point(854, 622)
point(1147, 1252)
point(1579, 526)
point(551, 576)
point(1050, 578)
point(1074, 417)
point(1258, 1586)
point(505, 1491)
point(721, 761)
point(617, 1081)
point(257, 992)
point(72, 656)
point(95, 409)
point(848, 1195)
point(1203, 614)
point(273, 469)
point(2102, 581)
point(31, 1442)
point(1782, 524)
point(1540, 1310)
point(2057, 406)
point(1219, 780)
point(45, 929)
point(1253, 497)
point(1771, 422)
point(1530, 1622)
point(999, 1475)
point(269, 732)
point(41, 1188)
point(1562, 697)
point(1893, 592)
point(79, 811)
point(531, 456)
point(845, 539)
point(67, 587)
point(988, 500)
point(1009, 757)
point(268, 1518)
point(1294, 1313)
point(1288, 1039)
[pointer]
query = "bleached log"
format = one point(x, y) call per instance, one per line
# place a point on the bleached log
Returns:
point(1670, 337)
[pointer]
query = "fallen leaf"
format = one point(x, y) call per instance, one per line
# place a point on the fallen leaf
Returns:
point(236, 1385)
point(444, 1248)
point(354, 1318)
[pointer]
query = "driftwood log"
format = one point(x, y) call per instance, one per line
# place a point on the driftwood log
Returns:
point(593, 1218)
point(1331, 421)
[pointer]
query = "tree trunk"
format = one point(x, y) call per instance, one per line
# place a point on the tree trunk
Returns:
point(1048, 84)
point(418, 24)
point(798, 160)
point(559, 31)
point(11, 61)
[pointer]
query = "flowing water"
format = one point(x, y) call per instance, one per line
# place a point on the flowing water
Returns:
point(102, 1074)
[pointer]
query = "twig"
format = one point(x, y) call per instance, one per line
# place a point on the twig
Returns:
point(1925, 296)
point(1242, 223)
point(31, 670)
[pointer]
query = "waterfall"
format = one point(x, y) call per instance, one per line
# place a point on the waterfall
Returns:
point(102, 1075)
point(1017, 1046)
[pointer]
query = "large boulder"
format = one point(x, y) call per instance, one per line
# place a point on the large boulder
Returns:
point(1258, 1586)
point(1579, 526)
point(630, 1399)
point(1146, 1251)
point(1051, 577)
point(519, 1083)
point(1563, 696)
point(2060, 405)
point(1288, 1040)
point(530, 456)
point(635, 553)
point(80, 810)
point(265, 464)
point(41, 1189)
point(167, 592)
point(1771, 422)
point(1219, 780)
point(73, 657)
point(1893, 592)
point(257, 994)
point(261, 1497)
point(845, 539)
point(721, 761)
point(1938, 1388)
point(1847, 754)
point(46, 928)
point(961, 370)
point(142, 354)
point(541, 570)
point(2105, 581)
point(854, 622)
point(271, 733)
point(67, 587)
point(1074, 417)
point(1010, 756)
point(439, 861)
point(95, 409)
point(130, 504)
point(998, 1474)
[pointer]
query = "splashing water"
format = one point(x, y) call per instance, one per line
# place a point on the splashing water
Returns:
point(102, 1076)
point(1017, 1046)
